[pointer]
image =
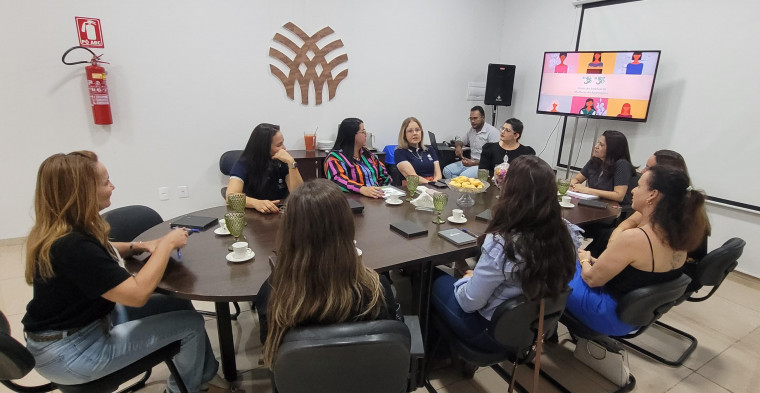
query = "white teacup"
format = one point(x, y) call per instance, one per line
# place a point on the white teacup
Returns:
point(565, 200)
point(222, 225)
point(458, 214)
point(394, 198)
point(240, 249)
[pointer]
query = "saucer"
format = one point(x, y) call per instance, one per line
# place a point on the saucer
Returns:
point(566, 205)
point(388, 201)
point(455, 221)
point(231, 256)
point(221, 231)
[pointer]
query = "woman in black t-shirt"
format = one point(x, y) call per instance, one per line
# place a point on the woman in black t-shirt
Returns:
point(319, 278)
point(508, 145)
point(77, 324)
point(609, 171)
point(266, 172)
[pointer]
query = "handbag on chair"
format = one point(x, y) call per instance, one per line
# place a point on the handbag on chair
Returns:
point(612, 365)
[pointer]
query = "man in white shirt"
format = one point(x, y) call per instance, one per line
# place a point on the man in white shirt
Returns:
point(478, 135)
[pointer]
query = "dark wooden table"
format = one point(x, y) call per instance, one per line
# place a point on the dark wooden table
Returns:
point(205, 274)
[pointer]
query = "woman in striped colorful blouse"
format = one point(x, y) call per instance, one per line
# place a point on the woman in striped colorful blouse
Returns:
point(352, 166)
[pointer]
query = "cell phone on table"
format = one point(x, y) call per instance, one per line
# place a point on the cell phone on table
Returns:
point(438, 184)
point(272, 261)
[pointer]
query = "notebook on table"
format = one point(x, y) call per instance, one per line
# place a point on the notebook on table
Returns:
point(580, 195)
point(485, 215)
point(194, 222)
point(356, 206)
point(408, 229)
point(457, 236)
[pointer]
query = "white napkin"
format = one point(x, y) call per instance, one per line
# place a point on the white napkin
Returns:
point(425, 199)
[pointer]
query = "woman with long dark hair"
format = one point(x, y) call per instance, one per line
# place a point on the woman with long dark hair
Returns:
point(673, 221)
point(266, 172)
point(89, 317)
point(609, 171)
point(527, 249)
point(318, 278)
point(352, 166)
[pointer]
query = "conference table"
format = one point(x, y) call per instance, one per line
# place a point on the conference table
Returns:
point(204, 274)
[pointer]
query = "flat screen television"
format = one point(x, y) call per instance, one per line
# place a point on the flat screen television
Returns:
point(603, 85)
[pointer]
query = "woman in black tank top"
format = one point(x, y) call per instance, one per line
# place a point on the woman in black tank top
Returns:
point(673, 214)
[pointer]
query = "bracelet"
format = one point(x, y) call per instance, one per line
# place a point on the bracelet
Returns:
point(131, 244)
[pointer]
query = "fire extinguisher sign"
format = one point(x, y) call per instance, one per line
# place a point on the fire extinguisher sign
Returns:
point(89, 32)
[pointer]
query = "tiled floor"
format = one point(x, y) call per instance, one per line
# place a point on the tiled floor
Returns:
point(726, 360)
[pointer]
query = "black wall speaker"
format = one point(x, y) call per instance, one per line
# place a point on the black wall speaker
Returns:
point(501, 78)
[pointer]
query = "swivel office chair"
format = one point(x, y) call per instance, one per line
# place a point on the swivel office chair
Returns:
point(226, 162)
point(641, 308)
point(514, 325)
point(710, 271)
point(382, 356)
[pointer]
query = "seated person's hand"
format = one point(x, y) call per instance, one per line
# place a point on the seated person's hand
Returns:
point(579, 188)
point(148, 246)
point(468, 273)
point(284, 156)
point(177, 237)
point(583, 254)
point(372, 192)
point(265, 206)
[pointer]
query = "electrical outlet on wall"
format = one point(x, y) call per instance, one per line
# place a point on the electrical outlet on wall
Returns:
point(163, 193)
point(183, 192)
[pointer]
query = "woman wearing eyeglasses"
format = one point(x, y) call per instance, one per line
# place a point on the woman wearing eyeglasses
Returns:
point(352, 166)
point(508, 146)
point(412, 157)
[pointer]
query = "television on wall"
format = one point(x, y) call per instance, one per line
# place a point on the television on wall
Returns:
point(613, 85)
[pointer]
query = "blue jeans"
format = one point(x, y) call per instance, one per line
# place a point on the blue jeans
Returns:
point(93, 352)
point(469, 327)
point(458, 169)
point(596, 308)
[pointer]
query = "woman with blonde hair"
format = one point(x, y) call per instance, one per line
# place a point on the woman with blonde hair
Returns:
point(77, 324)
point(412, 157)
point(318, 279)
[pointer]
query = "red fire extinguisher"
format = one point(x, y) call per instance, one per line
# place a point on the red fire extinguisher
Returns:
point(96, 84)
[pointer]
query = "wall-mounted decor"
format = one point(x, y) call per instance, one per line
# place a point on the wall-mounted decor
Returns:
point(308, 64)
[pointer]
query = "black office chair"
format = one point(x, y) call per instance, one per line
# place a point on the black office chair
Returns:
point(226, 162)
point(709, 271)
point(514, 325)
point(641, 307)
point(128, 222)
point(371, 357)
point(16, 362)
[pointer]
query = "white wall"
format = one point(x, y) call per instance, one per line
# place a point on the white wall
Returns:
point(548, 25)
point(190, 79)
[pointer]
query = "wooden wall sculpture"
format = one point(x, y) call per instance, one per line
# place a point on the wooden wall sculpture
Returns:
point(317, 69)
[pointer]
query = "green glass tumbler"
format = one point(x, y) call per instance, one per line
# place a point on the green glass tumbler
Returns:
point(483, 175)
point(563, 185)
point(412, 182)
point(236, 202)
point(440, 199)
point(235, 222)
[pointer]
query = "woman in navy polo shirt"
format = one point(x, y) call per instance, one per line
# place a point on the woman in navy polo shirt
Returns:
point(412, 156)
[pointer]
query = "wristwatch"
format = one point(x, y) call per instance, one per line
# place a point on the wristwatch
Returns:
point(293, 165)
